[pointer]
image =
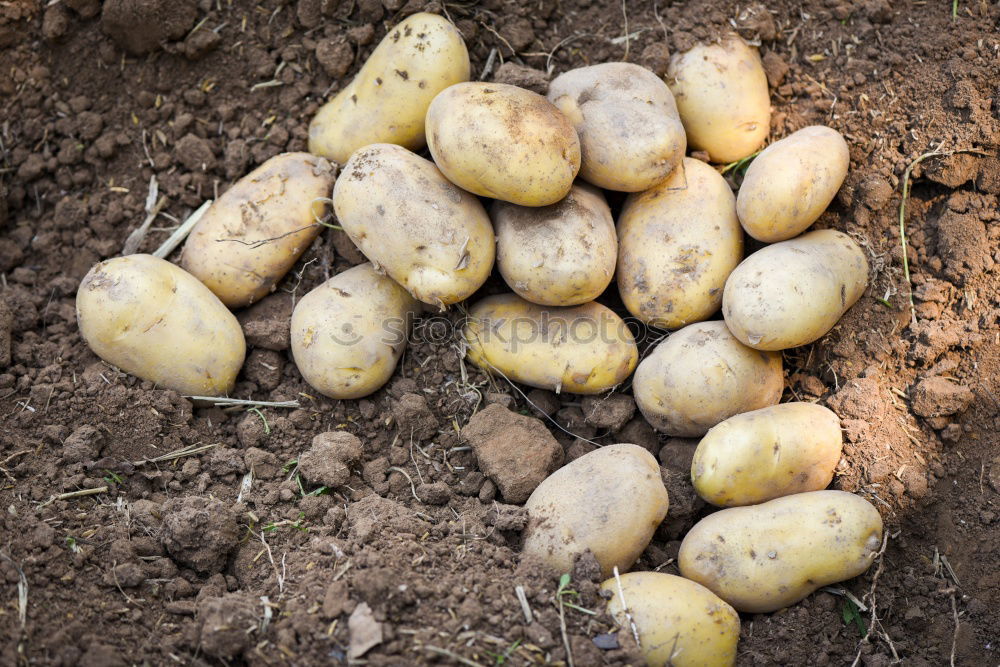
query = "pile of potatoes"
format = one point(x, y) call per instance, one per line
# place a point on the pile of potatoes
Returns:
point(518, 180)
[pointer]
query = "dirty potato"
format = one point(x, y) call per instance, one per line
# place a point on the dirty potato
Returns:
point(631, 137)
point(155, 320)
point(387, 101)
point(558, 255)
point(504, 142)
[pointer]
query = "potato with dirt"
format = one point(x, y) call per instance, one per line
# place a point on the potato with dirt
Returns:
point(631, 137)
point(428, 235)
point(387, 101)
point(254, 233)
point(722, 97)
point(789, 185)
point(766, 557)
point(608, 501)
point(677, 244)
point(700, 376)
point(585, 349)
point(792, 293)
point(679, 622)
point(500, 141)
point(156, 321)
point(348, 333)
point(776, 451)
point(558, 255)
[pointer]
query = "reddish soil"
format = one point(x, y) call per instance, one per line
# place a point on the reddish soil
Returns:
point(174, 563)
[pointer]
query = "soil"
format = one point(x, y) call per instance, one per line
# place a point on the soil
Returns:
point(412, 555)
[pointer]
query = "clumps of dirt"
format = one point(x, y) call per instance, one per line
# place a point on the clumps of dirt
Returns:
point(525, 77)
point(938, 397)
point(611, 412)
point(199, 532)
point(224, 624)
point(140, 26)
point(328, 462)
point(414, 417)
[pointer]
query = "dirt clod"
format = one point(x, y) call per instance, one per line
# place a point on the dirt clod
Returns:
point(225, 622)
point(328, 462)
point(937, 397)
point(610, 412)
point(199, 532)
point(139, 26)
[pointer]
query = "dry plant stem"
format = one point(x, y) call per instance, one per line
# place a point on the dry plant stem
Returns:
point(562, 630)
point(176, 454)
point(218, 402)
point(875, 622)
point(628, 614)
point(181, 232)
point(525, 607)
point(451, 654)
point(75, 494)
point(22, 591)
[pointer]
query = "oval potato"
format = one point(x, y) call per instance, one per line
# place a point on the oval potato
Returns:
point(789, 185)
point(631, 137)
point(792, 293)
point(558, 255)
point(387, 101)
point(722, 96)
point(583, 349)
point(776, 451)
point(677, 244)
point(700, 376)
point(255, 232)
point(765, 557)
point(609, 501)
point(431, 237)
point(679, 622)
point(155, 320)
point(348, 333)
point(504, 142)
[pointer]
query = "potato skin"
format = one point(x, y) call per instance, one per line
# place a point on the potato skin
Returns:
point(280, 200)
point(631, 137)
point(700, 376)
point(789, 185)
point(504, 142)
point(431, 237)
point(765, 557)
point(680, 623)
point(155, 320)
point(348, 333)
point(387, 101)
point(792, 293)
point(609, 501)
point(558, 255)
point(583, 349)
point(776, 451)
point(722, 96)
point(677, 244)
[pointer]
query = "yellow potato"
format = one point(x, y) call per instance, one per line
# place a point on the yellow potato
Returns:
point(776, 451)
point(431, 237)
point(679, 623)
point(721, 93)
point(792, 293)
point(155, 320)
point(677, 244)
point(504, 142)
point(348, 333)
point(609, 501)
point(765, 557)
point(254, 233)
point(700, 376)
point(789, 185)
point(387, 101)
point(631, 137)
point(583, 349)
point(558, 255)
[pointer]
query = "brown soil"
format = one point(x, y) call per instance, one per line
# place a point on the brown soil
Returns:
point(174, 563)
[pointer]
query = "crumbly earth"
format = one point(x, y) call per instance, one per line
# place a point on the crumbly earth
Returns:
point(226, 555)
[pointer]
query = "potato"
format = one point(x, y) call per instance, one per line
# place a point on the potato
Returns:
point(387, 101)
point(609, 501)
point(155, 320)
point(558, 255)
point(504, 142)
point(789, 185)
point(768, 453)
point(254, 233)
point(677, 244)
point(700, 376)
point(585, 349)
point(348, 333)
point(792, 293)
point(631, 137)
point(679, 623)
point(431, 237)
point(721, 94)
point(765, 557)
